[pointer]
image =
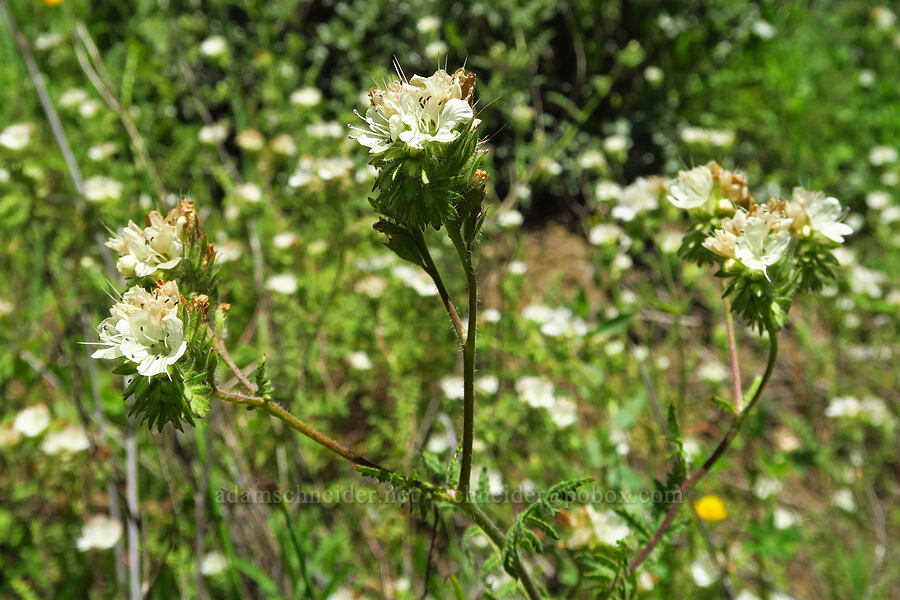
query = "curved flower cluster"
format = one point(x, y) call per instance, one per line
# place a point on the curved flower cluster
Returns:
point(422, 110)
point(755, 236)
point(144, 327)
point(158, 246)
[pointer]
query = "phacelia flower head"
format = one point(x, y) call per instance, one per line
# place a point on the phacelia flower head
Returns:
point(158, 246)
point(144, 327)
point(765, 238)
point(418, 111)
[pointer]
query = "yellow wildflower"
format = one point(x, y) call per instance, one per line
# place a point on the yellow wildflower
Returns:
point(710, 508)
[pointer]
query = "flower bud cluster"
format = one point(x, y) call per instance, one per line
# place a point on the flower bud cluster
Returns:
point(768, 250)
point(750, 235)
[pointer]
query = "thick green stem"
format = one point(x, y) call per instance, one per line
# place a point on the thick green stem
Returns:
point(465, 257)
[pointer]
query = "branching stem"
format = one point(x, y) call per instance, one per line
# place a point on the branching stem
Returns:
point(713, 459)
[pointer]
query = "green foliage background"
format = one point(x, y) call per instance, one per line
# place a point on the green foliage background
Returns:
point(806, 107)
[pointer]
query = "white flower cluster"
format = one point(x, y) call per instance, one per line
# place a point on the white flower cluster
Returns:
point(756, 235)
point(592, 528)
point(539, 392)
point(157, 246)
point(144, 327)
point(418, 111)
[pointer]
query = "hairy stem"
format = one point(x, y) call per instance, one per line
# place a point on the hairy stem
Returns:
point(435, 275)
point(293, 422)
point(490, 529)
point(713, 459)
point(732, 352)
point(465, 257)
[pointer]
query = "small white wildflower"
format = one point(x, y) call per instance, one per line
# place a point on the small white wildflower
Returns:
point(784, 518)
point(538, 313)
point(487, 384)
point(607, 190)
point(510, 218)
point(604, 234)
point(325, 129)
point(428, 24)
point(592, 528)
point(100, 532)
point(765, 487)
point(619, 440)
point(563, 412)
point(213, 134)
point(284, 240)
point(883, 155)
point(614, 347)
point(31, 421)
point(866, 78)
point(746, 595)
point(306, 96)
point(66, 441)
point(592, 159)
point(563, 322)
point(100, 188)
point(359, 361)
point(616, 144)
point(653, 74)
point(89, 108)
point(214, 46)
point(763, 30)
point(250, 139)
point(422, 110)
point(491, 315)
point(712, 371)
point(691, 189)
point(72, 98)
point(285, 283)
point(144, 328)
point(228, 250)
point(670, 241)
point(621, 262)
point(157, 246)
point(843, 499)
point(248, 192)
point(878, 200)
point(101, 151)
point(763, 242)
point(866, 281)
point(636, 198)
point(704, 572)
point(821, 214)
point(536, 392)
point(436, 49)
point(517, 267)
point(417, 279)
point(283, 144)
point(213, 563)
point(16, 137)
point(883, 17)
point(4, 175)
point(452, 386)
point(48, 40)
point(372, 286)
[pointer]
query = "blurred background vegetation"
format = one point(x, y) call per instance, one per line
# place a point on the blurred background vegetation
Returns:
point(243, 106)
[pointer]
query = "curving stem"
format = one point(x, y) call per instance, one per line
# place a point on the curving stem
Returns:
point(714, 457)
